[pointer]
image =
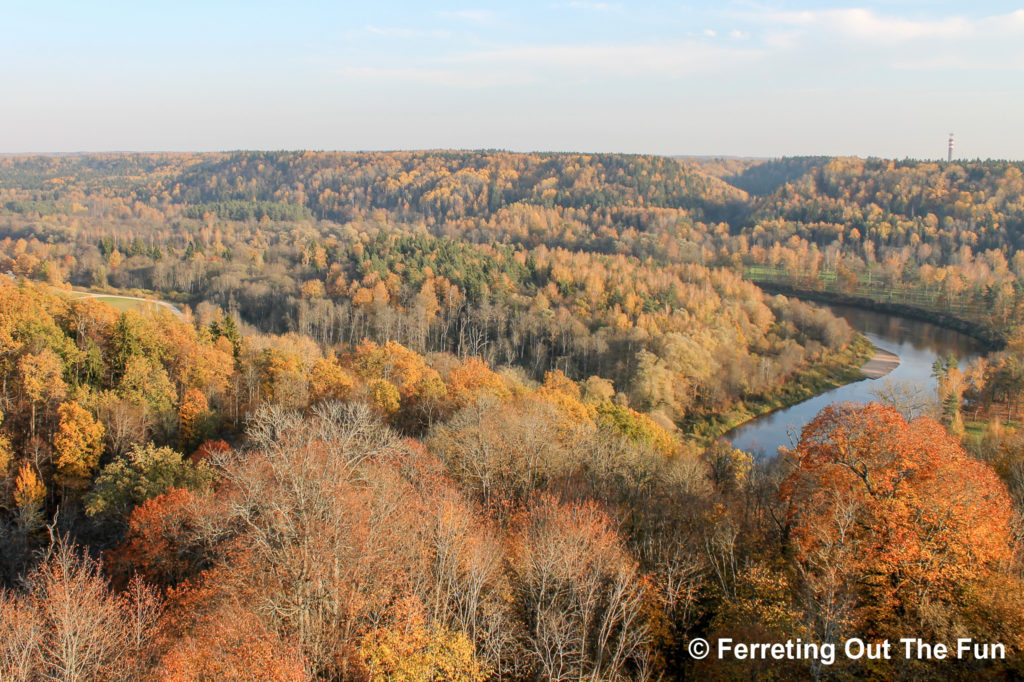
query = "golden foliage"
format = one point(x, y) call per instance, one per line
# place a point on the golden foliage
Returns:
point(78, 445)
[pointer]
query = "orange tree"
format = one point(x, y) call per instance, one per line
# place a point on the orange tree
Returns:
point(895, 531)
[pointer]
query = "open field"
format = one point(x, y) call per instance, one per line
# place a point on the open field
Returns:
point(136, 303)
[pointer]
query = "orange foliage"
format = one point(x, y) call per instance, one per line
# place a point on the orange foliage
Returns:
point(158, 535)
point(328, 381)
point(404, 368)
point(211, 634)
point(472, 379)
point(898, 508)
point(209, 449)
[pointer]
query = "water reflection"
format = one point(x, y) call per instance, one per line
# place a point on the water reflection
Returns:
point(918, 344)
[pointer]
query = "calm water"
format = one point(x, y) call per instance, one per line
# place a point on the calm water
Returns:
point(917, 344)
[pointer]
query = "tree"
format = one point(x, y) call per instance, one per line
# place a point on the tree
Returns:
point(952, 385)
point(229, 329)
point(144, 382)
point(144, 473)
point(125, 343)
point(68, 625)
point(193, 419)
point(328, 381)
point(471, 379)
point(411, 650)
point(384, 396)
point(124, 422)
point(78, 445)
point(6, 453)
point(29, 495)
point(893, 527)
point(161, 543)
point(501, 451)
point(581, 593)
point(41, 380)
point(215, 635)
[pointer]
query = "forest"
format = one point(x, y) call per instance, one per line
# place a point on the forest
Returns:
point(457, 415)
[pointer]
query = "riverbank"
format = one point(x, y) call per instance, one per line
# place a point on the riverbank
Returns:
point(880, 364)
point(840, 368)
point(976, 329)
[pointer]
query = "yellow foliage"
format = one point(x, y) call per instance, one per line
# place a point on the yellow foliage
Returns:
point(384, 396)
point(564, 394)
point(78, 445)
point(313, 288)
point(557, 381)
point(6, 455)
point(29, 491)
point(328, 381)
point(285, 380)
point(415, 652)
point(403, 368)
point(192, 414)
point(41, 376)
point(472, 379)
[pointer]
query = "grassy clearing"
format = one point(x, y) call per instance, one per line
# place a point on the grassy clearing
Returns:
point(125, 303)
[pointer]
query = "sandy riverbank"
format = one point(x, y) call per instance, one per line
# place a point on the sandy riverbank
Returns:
point(880, 364)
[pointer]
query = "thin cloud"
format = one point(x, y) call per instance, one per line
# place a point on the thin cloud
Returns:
point(439, 77)
point(887, 41)
point(866, 25)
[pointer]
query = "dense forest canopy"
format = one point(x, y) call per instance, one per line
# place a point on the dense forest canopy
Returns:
point(947, 234)
point(454, 415)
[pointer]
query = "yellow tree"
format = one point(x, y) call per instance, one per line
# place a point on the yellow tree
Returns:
point(78, 445)
point(6, 453)
point(29, 493)
point(192, 415)
point(413, 651)
point(328, 381)
point(384, 396)
point(41, 380)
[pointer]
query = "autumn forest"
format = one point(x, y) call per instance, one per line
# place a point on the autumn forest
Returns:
point(459, 416)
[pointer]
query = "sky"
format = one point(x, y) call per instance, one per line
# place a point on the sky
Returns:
point(888, 78)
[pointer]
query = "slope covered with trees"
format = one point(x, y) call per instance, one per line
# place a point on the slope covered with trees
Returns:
point(452, 416)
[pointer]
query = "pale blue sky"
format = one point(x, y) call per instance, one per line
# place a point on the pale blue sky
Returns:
point(884, 78)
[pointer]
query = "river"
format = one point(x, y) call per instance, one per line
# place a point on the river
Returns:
point(917, 344)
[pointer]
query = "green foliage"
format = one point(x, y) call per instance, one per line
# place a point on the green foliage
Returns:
point(635, 426)
point(250, 210)
point(142, 474)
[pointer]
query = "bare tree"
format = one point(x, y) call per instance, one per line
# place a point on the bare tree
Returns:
point(70, 626)
point(581, 594)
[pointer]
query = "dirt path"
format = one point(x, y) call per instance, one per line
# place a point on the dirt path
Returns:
point(880, 364)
